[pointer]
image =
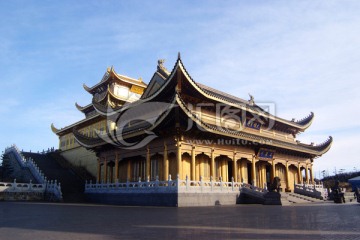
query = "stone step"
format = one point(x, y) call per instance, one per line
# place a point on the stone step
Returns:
point(298, 198)
point(285, 201)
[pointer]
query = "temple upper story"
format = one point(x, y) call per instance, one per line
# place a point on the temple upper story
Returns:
point(114, 90)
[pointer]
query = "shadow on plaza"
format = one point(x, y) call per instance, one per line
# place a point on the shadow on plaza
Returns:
point(242, 221)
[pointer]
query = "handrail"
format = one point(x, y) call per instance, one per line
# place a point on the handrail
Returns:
point(312, 190)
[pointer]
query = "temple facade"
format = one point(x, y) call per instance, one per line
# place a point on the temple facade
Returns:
point(176, 127)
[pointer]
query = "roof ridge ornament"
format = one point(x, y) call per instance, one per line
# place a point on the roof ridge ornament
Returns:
point(251, 100)
point(161, 62)
point(161, 66)
point(179, 56)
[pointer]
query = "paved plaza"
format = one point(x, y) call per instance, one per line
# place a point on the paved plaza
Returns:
point(20, 220)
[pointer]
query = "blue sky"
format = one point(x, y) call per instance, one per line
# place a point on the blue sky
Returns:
point(301, 55)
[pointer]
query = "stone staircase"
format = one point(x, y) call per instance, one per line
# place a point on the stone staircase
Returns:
point(13, 170)
point(250, 196)
point(72, 185)
point(295, 198)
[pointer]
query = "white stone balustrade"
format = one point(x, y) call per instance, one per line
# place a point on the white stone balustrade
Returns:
point(169, 186)
point(311, 190)
point(22, 187)
point(55, 188)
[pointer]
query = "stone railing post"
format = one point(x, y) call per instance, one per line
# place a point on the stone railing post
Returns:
point(169, 180)
point(157, 182)
point(232, 184)
point(221, 185)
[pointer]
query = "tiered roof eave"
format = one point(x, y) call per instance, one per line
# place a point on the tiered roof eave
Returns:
point(312, 150)
point(315, 150)
point(67, 129)
point(83, 108)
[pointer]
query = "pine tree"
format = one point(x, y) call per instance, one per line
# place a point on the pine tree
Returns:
point(7, 168)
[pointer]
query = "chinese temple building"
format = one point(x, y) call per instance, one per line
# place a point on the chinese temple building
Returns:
point(177, 128)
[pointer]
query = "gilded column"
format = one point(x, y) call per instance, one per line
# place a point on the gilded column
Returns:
point(98, 179)
point(212, 164)
point(226, 170)
point(311, 174)
point(299, 174)
point(307, 174)
point(165, 164)
point(239, 171)
point(106, 171)
point(178, 156)
point(273, 174)
point(287, 177)
point(193, 177)
point(116, 166)
point(147, 164)
point(234, 172)
point(253, 171)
